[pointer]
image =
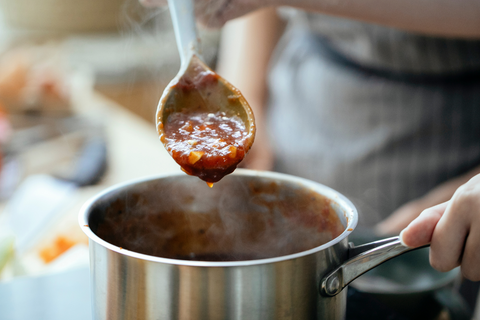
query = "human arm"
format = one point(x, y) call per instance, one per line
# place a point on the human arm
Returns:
point(448, 18)
point(401, 217)
point(246, 47)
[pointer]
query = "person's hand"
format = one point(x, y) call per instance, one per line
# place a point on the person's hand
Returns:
point(214, 13)
point(453, 230)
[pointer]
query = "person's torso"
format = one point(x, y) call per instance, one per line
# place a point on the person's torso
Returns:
point(381, 141)
point(386, 48)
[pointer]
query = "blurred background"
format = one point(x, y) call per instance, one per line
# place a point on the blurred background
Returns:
point(79, 86)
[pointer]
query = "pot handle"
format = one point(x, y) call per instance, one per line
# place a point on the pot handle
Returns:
point(361, 259)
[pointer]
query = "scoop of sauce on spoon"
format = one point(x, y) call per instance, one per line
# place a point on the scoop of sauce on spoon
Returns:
point(205, 123)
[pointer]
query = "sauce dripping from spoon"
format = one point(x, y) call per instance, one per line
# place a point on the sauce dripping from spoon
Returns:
point(203, 121)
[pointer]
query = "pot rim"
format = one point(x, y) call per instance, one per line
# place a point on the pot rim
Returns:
point(350, 214)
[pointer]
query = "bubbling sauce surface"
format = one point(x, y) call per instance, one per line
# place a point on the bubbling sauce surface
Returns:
point(206, 145)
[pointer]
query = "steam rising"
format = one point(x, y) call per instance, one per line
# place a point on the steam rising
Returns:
point(241, 218)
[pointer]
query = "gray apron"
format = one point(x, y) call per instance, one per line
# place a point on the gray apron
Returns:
point(378, 114)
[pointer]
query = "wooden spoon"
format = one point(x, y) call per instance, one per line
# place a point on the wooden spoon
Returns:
point(203, 121)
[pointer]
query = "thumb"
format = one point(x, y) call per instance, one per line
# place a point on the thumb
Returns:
point(419, 232)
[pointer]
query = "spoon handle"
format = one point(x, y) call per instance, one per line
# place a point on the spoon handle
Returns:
point(183, 18)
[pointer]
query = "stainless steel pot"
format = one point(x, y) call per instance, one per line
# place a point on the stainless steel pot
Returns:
point(258, 245)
